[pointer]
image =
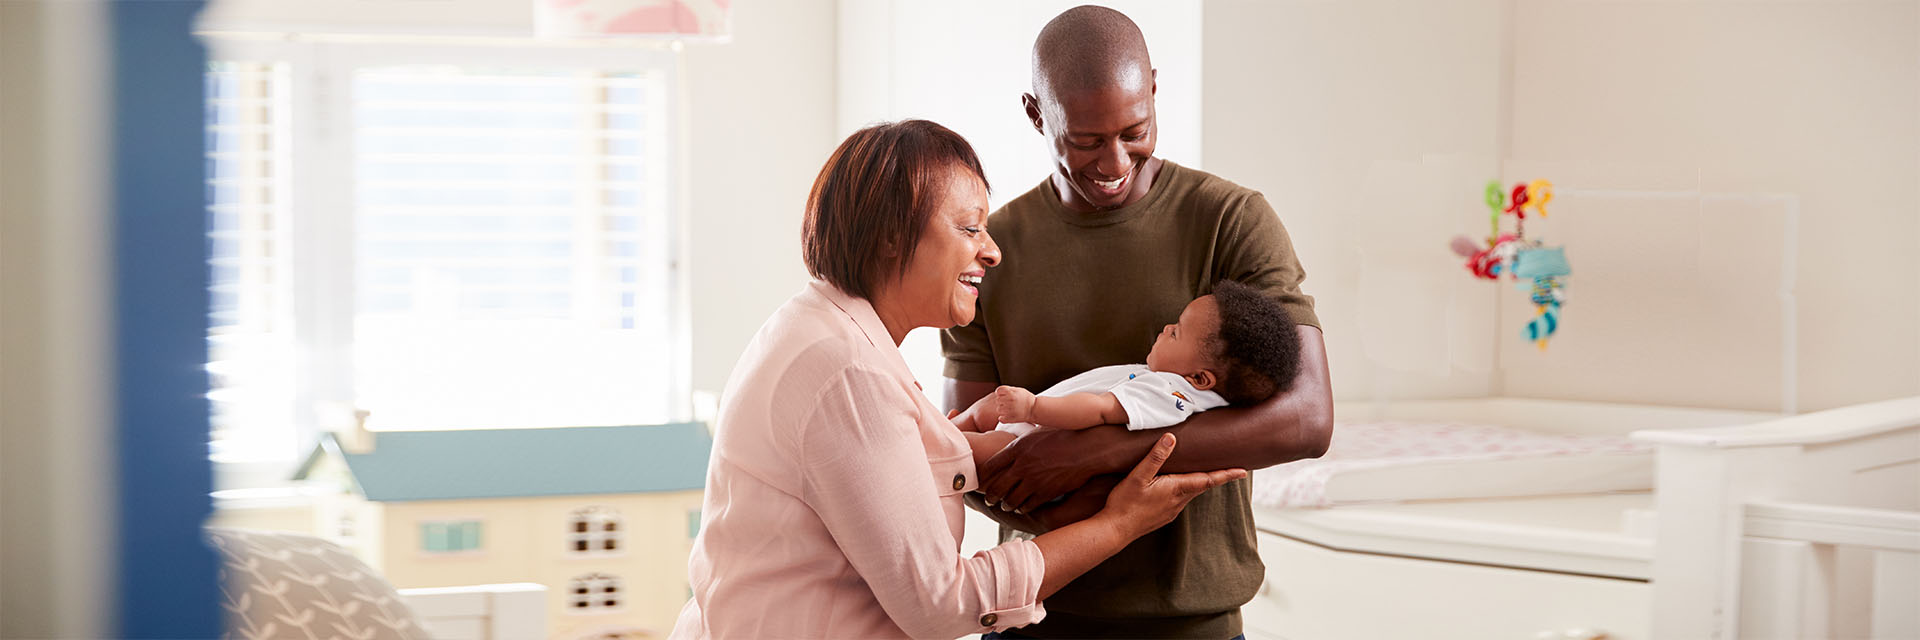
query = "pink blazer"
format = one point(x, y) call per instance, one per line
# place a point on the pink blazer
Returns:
point(833, 504)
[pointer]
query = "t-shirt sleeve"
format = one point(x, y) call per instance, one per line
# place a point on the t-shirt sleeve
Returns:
point(1257, 251)
point(1156, 400)
point(969, 355)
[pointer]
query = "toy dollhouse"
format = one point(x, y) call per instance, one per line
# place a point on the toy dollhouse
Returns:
point(603, 516)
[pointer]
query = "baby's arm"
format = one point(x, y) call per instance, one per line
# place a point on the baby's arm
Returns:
point(986, 444)
point(1071, 411)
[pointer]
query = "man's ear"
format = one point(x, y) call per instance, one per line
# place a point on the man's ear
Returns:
point(1202, 379)
point(1155, 74)
point(1032, 105)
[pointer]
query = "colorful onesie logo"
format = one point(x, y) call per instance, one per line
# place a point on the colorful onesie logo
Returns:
point(1180, 405)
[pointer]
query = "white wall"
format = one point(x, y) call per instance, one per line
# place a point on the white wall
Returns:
point(56, 537)
point(761, 123)
point(1816, 104)
point(1371, 126)
point(1739, 189)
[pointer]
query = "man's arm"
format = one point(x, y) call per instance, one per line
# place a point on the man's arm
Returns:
point(1287, 427)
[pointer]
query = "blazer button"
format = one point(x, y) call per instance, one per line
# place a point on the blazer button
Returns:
point(989, 619)
point(959, 481)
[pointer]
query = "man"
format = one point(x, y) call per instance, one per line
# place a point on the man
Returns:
point(1097, 258)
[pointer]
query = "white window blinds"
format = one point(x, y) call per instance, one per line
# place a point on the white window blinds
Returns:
point(513, 247)
point(250, 336)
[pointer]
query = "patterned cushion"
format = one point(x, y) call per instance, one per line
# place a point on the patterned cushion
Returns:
point(285, 585)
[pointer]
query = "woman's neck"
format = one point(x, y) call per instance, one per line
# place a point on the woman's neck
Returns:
point(893, 319)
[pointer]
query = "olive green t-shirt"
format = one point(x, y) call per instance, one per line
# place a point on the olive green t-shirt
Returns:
point(1078, 290)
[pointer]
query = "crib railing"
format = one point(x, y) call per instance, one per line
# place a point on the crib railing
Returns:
point(1792, 561)
point(1801, 527)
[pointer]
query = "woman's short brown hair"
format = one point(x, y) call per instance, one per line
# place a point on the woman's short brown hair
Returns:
point(877, 191)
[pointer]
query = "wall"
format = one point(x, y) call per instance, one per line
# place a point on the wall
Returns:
point(1370, 126)
point(168, 585)
point(1738, 189)
point(1814, 104)
point(55, 424)
point(760, 123)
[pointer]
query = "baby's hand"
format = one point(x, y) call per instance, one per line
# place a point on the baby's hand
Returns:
point(1015, 404)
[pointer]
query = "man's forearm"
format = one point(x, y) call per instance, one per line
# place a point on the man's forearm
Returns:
point(1225, 439)
point(1287, 427)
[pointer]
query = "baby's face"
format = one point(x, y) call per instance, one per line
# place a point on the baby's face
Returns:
point(1181, 347)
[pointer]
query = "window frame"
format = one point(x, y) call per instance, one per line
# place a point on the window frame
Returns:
point(323, 263)
point(477, 525)
point(609, 586)
point(596, 518)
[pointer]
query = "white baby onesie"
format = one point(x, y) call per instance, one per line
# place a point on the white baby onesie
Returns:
point(1153, 399)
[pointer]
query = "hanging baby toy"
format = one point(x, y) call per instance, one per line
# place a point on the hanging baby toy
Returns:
point(1543, 269)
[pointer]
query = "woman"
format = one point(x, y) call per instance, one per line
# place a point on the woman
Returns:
point(834, 495)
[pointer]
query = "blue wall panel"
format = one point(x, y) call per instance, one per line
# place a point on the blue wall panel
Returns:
point(167, 585)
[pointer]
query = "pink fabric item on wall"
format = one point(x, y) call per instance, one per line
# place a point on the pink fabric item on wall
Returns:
point(615, 18)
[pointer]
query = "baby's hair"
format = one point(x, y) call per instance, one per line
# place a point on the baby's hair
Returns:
point(1257, 346)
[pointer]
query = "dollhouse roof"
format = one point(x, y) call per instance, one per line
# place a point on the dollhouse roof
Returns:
point(509, 463)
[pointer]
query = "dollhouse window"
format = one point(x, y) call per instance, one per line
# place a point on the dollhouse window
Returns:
point(450, 536)
point(596, 530)
point(594, 592)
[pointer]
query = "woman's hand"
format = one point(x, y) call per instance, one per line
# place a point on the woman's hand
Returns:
point(1145, 500)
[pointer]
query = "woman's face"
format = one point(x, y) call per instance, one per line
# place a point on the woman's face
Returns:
point(938, 287)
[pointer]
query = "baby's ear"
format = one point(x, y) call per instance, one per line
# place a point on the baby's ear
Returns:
point(1203, 379)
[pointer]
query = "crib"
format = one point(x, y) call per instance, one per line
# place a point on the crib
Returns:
point(1705, 524)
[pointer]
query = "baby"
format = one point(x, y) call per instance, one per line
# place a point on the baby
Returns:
point(1234, 346)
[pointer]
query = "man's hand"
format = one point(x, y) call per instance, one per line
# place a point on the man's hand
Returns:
point(1039, 467)
point(1083, 503)
point(1015, 404)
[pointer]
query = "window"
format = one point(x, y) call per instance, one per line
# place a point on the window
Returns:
point(594, 592)
point(249, 335)
point(510, 248)
point(450, 537)
point(446, 237)
point(595, 530)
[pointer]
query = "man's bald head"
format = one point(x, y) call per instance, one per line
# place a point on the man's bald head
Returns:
point(1089, 48)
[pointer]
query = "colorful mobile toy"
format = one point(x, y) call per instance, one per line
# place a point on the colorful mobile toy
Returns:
point(1514, 256)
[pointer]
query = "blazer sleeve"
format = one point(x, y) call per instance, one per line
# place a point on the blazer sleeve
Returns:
point(866, 473)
